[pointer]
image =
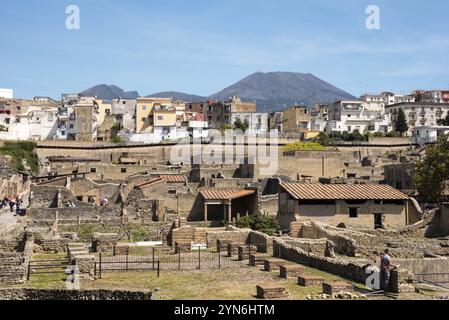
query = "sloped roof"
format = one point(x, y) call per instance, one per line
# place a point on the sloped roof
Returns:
point(149, 183)
point(224, 194)
point(176, 178)
point(317, 191)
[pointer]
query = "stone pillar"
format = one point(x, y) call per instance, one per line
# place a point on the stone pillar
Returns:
point(205, 212)
point(224, 213)
point(229, 213)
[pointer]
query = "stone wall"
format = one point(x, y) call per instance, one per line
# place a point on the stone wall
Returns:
point(353, 271)
point(227, 234)
point(262, 241)
point(44, 294)
point(346, 241)
point(85, 214)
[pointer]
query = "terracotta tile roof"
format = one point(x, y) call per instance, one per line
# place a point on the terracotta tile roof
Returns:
point(317, 191)
point(179, 178)
point(149, 183)
point(224, 194)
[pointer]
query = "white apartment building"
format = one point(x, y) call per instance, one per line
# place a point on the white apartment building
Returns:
point(392, 98)
point(193, 129)
point(357, 115)
point(39, 123)
point(258, 121)
point(127, 108)
point(428, 134)
point(435, 96)
point(419, 114)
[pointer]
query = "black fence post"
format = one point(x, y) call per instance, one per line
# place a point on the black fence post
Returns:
point(126, 261)
point(100, 265)
point(158, 268)
point(199, 258)
point(153, 257)
point(219, 257)
point(29, 271)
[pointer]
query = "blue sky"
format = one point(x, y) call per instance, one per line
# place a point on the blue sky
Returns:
point(202, 46)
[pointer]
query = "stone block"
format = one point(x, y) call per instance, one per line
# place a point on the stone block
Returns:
point(245, 250)
point(258, 259)
point(271, 291)
point(290, 271)
point(273, 264)
point(307, 281)
point(331, 288)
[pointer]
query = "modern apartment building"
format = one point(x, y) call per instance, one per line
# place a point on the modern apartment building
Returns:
point(358, 115)
point(258, 121)
point(126, 108)
point(145, 115)
point(297, 119)
point(419, 114)
point(164, 121)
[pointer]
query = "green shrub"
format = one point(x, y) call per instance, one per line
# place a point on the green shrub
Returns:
point(304, 146)
point(20, 151)
point(260, 222)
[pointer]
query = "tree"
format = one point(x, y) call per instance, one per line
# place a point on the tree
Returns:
point(401, 124)
point(242, 125)
point(433, 170)
point(323, 139)
point(262, 222)
point(444, 122)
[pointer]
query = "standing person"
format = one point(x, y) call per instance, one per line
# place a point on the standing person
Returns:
point(11, 205)
point(18, 204)
point(385, 269)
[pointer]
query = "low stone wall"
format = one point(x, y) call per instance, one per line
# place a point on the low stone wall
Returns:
point(348, 270)
point(42, 294)
point(262, 241)
point(346, 241)
point(418, 267)
point(9, 245)
point(53, 245)
point(234, 235)
point(315, 246)
point(104, 242)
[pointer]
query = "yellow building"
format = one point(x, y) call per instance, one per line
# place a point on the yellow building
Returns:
point(164, 117)
point(297, 119)
point(145, 115)
point(104, 109)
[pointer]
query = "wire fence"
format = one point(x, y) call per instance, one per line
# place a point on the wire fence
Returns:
point(181, 257)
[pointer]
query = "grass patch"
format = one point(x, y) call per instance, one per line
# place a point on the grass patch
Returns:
point(20, 152)
point(224, 284)
point(132, 232)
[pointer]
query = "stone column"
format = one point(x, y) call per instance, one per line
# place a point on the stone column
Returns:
point(205, 212)
point(229, 213)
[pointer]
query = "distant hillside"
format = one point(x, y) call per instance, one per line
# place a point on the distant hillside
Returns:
point(109, 92)
point(272, 91)
point(275, 90)
point(178, 96)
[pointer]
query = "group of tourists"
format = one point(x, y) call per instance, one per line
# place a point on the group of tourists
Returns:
point(14, 205)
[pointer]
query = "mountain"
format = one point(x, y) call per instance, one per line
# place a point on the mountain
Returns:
point(180, 96)
point(272, 91)
point(107, 92)
point(276, 90)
